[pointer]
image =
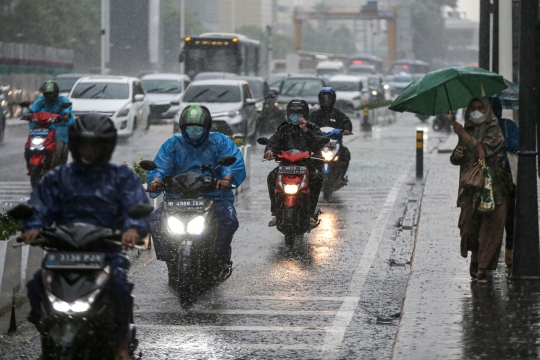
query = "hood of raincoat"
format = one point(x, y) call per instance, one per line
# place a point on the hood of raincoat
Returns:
point(497, 107)
point(490, 116)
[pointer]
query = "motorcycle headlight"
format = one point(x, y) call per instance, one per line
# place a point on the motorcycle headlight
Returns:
point(328, 155)
point(374, 92)
point(290, 189)
point(259, 106)
point(175, 225)
point(37, 141)
point(123, 112)
point(386, 86)
point(196, 226)
point(78, 306)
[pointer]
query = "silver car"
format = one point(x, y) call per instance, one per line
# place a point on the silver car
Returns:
point(161, 90)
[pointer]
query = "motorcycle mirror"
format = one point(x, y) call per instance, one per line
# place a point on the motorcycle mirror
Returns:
point(25, 104)
point(21, 212)
point(227, 160)
point(66, 105)
point(140, 211)
point(148, 165)
point(262, 141)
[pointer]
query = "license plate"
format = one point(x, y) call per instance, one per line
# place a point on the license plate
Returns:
point(39, 131)
point(74, 260)
point(296, 170)
point(185, 205)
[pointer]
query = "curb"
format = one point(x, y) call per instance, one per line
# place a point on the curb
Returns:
point(15, 122)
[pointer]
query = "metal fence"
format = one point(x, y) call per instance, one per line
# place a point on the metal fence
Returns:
point(24, 67)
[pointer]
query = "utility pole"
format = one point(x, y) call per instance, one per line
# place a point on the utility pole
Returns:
point(495, 51)
point(104, 34)
point(182, 30)
point(483, 41)
point(526, 264)
point(269, 48)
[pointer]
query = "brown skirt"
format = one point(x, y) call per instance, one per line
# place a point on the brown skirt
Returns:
point(482, 233)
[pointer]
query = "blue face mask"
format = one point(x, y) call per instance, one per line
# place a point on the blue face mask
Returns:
point(295, 119)
point(195, 133)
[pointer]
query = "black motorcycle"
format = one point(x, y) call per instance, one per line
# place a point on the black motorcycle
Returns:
point(190, 230)
point(77, 320)
point(442, 122)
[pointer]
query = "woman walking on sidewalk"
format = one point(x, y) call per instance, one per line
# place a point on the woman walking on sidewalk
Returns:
point(481, 232)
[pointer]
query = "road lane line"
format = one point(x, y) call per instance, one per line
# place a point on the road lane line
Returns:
point(229, 328)
point(255, 297)
point(242, 312)
point(241, 346)
point(334, 336)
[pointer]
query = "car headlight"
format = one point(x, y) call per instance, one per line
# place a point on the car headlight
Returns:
point(328, 155)
point(290, 189)
point(37, 141)
point(374, 92)
point(232, 113)
point(196, 226)
point(123, 112)
point(3, 103)
point(386, 86)
point(175, 225)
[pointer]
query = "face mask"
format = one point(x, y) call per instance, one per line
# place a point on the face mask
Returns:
point(477, 117)
point(295, 119)
point(195, 133)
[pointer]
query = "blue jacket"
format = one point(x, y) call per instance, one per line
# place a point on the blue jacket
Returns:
point(41, 104)
point(69, 194)
point(178, 155)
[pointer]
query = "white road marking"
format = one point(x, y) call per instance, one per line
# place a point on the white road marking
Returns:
point(334, 336)
point(192, 328)
point(243, 312)
point(314, 347)
point(256, 297)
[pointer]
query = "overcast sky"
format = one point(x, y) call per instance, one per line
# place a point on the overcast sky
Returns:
point(471, 7)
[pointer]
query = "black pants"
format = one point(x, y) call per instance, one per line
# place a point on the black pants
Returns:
point(315, 184)
point(344, 159)
point(509, 225)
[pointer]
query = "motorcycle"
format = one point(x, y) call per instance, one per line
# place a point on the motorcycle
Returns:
point(77, 320)
point(422, 118)
point(331, 171)
point(190, 230)
point(40, 148)
point(292, 191)
point(442, 122)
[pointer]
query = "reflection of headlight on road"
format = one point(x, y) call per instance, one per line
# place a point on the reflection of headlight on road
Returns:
point(290, 189)
point(328, 155)
point(175, 225)
point(196, 226)
point(37, 141)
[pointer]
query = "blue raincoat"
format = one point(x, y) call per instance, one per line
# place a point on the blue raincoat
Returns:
point(178, 155)
point(41, 104)
point(98, 197)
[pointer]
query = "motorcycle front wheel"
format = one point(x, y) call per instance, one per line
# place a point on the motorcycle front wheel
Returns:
point(35, 176)
point(188, 275)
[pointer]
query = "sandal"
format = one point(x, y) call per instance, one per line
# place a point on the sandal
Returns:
point(482, 277)
point(473, 269)
point(272, 222)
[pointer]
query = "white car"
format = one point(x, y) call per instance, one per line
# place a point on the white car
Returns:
point(160, 90)
point(121, 98)
point(351, 91)
point(230, 102)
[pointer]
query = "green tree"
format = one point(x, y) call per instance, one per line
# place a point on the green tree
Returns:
point(70, 24)
point(429, 37)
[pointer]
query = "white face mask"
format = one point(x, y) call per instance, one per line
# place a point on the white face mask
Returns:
point(477, 117)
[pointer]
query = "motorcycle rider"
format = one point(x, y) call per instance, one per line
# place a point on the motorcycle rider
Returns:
point(327, 115)
point(197, 146)
point(296, 133)
point(51, 101)
point(94, 191)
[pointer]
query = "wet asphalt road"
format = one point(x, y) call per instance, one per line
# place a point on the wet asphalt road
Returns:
point(336, 295)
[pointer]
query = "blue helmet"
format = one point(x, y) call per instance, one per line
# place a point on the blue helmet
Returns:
point(327, 97)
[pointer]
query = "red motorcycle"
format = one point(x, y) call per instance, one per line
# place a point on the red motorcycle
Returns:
point(292, 192)
point(40, 148)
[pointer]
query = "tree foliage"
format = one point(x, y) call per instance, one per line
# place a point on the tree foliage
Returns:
point(429, 38)
point(70, 24)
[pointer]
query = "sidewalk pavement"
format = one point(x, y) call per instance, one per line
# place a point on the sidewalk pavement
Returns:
point(446, 315)
point(15, 122)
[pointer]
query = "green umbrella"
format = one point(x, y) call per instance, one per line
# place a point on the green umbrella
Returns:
point(447, 89)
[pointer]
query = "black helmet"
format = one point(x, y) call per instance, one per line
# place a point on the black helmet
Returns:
point(327, 97)
point(50, 88)
point(298, 106)
point(92, 139)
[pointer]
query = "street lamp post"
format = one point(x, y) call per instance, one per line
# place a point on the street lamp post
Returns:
point(526, 262)
point(483, 43)
point(182, 29)
point(104, 28)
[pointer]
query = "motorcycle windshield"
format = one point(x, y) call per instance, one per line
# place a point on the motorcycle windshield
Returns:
point(294, 155)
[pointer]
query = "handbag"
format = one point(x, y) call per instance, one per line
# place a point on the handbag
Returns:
point(487, 204)
point(473, 179)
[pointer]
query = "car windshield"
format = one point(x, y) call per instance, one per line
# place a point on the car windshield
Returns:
point(256, 88)
point(305, 87)
point(212, 94)
point(161, 86)
point(275, 80)
point(65, 84)
point(101, 91)
point(402, 79)
point(345, 85)
point(374, 82)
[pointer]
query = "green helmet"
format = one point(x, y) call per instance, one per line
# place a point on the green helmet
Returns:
point(50, 87)
point(196, 114)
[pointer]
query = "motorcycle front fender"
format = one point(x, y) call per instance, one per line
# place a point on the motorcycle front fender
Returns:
point(36, 160)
